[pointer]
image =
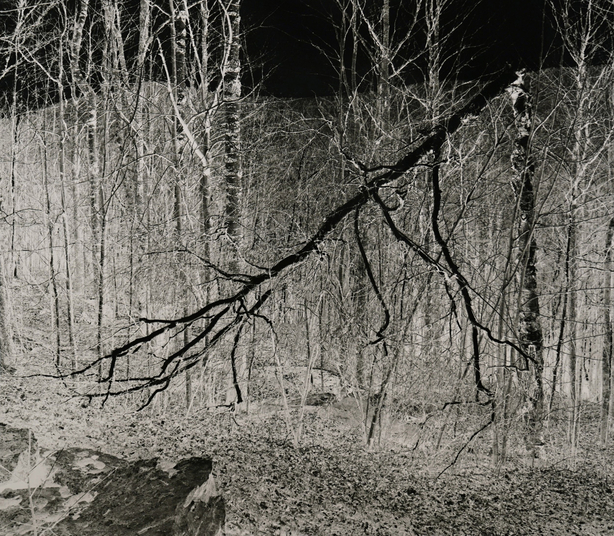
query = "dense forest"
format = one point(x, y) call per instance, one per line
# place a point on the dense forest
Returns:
point(430, 246)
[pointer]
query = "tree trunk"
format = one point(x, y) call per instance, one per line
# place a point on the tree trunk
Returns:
point(6, 335)
point(233, 171)
point(607, 379)
point(578, 159)
point(138, 188)
point(78, 91)
point(109, 82)
point(574, 371)
point(52, 274)
point(562, 326)
point(433, 104)
point(179, 21)
point(383, 82)
point(6, 346)
point(62, 136)
point(232, 130)
point(501, 409)
point(205, 179)
point(606, 363)
point(529, 329)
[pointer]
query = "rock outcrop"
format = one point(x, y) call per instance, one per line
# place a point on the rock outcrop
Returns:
point(83, 492)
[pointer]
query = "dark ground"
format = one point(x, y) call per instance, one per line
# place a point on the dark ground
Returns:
point(331, 484)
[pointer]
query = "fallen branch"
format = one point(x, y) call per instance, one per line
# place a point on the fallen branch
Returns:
point(223, 314)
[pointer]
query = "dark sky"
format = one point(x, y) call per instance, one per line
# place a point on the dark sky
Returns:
point(295, 39)
point(291, 45)
point(287, 36)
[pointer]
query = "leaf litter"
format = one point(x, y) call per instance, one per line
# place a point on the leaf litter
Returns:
point(330, 484)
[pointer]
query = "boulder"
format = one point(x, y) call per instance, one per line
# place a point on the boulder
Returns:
point(83, 492)
point(13, 441)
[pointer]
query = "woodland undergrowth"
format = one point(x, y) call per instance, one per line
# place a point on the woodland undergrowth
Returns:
point(331, 484)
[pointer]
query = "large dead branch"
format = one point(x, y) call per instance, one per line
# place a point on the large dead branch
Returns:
point(225, 314)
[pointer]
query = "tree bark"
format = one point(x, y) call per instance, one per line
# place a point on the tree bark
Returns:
point(179, 21)
point(606, 363)
point(52, 273)
point(63, 135)
point(529, 326)
point(137, 193)
point(232, 130)
point(233, 171)
point(574, 372)
point(607, 357)
point(6, 335)
point(205, 179)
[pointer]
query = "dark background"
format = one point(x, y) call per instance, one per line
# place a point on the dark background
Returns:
point(288, 40)
point(291, 46)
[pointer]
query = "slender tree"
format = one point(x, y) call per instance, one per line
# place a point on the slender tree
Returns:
point(606, 368)
point(138, 292)
point(179, 26)
point(582, 29)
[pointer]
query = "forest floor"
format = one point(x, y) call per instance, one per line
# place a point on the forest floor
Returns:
point(331, 484)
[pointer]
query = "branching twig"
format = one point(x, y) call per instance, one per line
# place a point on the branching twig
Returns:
point(460, 451)
point(233, 364)
point(365, 260)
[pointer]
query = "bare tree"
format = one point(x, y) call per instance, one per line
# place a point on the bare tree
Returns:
point(606, 369)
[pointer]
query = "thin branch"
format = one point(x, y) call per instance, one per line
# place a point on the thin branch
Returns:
point(460, 451)
point(365, 260)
